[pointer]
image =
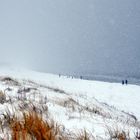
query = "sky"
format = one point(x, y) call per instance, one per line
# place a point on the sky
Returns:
point(71, 36)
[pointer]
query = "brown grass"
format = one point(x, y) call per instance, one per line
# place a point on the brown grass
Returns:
point(32, 128)
point(2, 97)
point(118, 134)
point(83, 136)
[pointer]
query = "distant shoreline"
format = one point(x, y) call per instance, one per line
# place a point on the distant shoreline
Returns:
point(112, 79)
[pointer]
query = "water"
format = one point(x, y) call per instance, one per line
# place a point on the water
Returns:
point(109, 78)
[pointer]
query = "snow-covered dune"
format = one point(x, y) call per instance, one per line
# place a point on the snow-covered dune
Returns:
point(79, 104)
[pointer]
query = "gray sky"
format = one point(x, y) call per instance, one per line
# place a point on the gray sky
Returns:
point(67, 36)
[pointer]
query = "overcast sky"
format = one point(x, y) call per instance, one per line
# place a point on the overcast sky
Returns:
point(67, 36)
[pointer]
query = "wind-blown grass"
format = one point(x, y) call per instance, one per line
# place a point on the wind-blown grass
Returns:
point(32, 127)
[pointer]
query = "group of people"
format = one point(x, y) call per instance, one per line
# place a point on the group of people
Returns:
point(124, 82)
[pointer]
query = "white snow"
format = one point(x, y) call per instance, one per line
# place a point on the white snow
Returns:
point(106, 102)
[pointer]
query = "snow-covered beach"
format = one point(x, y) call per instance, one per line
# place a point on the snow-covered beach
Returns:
point(77, 104)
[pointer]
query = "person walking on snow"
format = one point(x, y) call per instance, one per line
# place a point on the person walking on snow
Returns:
point(122, 82)
point(126, 82)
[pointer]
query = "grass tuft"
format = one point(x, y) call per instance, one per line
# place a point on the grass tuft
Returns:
point(32, 127)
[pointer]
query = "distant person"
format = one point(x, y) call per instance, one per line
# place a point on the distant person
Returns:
point(122, 82)
point(126, 82)
point(81, 77)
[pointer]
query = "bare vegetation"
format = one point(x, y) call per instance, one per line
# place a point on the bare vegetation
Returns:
point(115, 133)
point(84, 135)
point(10, 81)
point(2, 97)
point(137, 134)
point(33, 127)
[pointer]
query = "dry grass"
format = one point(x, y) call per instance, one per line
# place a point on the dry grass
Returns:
point(84, 135)
point(118, 134)
point(2, 97)
point(137, 135)
point(32, 127)
point(9, 81)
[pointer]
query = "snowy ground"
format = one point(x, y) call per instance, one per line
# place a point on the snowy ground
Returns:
point(77, 104)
